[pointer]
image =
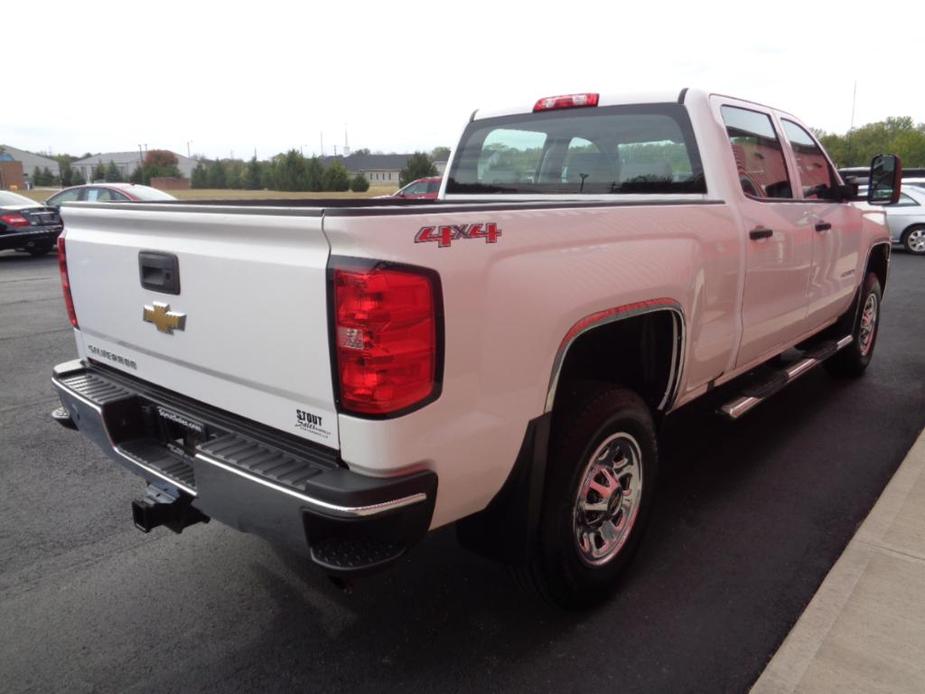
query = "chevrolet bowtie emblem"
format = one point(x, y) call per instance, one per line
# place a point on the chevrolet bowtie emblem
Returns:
point(166, 320)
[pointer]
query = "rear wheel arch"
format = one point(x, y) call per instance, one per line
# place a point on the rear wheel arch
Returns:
point(639, 346)
point(506, 529)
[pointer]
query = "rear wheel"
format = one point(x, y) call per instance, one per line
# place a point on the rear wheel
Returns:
point(853, 359)
point(37, 251)
point(914, 240)
point(599, 488)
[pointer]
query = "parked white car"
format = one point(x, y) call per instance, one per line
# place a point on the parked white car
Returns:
point(917, 183)
point(906, 219)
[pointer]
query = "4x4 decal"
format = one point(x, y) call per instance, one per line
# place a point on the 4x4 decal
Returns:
point(445, 234)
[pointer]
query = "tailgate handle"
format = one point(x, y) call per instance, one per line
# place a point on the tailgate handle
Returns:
point(159, 272)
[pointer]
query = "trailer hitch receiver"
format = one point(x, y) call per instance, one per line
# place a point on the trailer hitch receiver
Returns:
point(164, 504)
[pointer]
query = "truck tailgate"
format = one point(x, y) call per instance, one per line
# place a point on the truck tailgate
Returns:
point(248, 329)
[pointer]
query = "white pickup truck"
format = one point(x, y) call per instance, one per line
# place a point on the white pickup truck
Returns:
point(345, 375)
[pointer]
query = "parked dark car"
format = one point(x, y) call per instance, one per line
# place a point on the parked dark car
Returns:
point(108, 192)
point(26, 225)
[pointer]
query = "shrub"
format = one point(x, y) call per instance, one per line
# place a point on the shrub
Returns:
point(336, 177)
point(359, 184)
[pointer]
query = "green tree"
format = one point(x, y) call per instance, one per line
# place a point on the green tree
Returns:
point(419, 165)
point(440, 153)
point(252, 172)
point(359, 184)
point(99, 173)
point(267, 176)
point(138, 176)
point(895, 135)
point(77, 178)
point(234, 173)
point(65, 169)
point(290, 171)
point(314, 174)
point(113, 175)
point(336, 177)
point(200, 178)
point(67, 173)
point(48, 178)
point(215, 178)
point(160, 162)
point(37, 178)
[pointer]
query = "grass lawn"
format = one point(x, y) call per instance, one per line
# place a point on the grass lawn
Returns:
point(37, 194)
point(40, 194)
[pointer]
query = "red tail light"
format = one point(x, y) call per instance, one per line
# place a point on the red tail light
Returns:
point(66, 282)
point(551, 103)
point(14, 219)
point(386, 332)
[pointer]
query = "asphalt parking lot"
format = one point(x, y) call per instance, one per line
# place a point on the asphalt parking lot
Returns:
point(749, 519)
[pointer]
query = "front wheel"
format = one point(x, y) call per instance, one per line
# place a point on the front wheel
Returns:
point(914, 240)
point(854, 359)
point(599, 487)
point(38, 251)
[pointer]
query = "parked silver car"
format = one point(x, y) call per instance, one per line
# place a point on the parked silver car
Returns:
point(906, 219)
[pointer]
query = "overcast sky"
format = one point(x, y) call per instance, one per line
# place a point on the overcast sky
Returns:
point(108, 76)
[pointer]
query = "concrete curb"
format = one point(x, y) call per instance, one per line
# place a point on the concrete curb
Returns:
point(864, 630)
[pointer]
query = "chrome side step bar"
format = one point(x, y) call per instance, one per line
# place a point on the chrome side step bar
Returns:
point(738, 407)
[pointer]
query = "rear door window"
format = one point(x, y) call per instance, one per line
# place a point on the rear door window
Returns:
point(816, 176)
point(758, 153)
point(643, 149)
point(71, 195)
point(99, 195)
point(414, 189)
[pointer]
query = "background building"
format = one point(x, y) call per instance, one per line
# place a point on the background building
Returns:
point(126, 162)
point(379, 169)
point(29, 161)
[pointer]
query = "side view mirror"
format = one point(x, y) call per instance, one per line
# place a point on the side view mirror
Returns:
point(886, 173)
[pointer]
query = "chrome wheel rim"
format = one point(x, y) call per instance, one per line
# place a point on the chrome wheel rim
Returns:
point(916, 241)
point(608, 499)
point(868, 324)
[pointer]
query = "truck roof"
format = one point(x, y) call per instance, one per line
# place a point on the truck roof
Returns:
point(663, 96)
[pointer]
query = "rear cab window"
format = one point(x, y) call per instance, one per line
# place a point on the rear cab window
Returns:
point(637, 149)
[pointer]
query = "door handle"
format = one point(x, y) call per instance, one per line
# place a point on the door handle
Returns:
point(760, 233)
point(823, 226)
point(159, 272)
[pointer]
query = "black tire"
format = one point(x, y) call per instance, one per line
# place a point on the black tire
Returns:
point(853, 360)
point(38, 251)
point(912, 239)
point(559, 569)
